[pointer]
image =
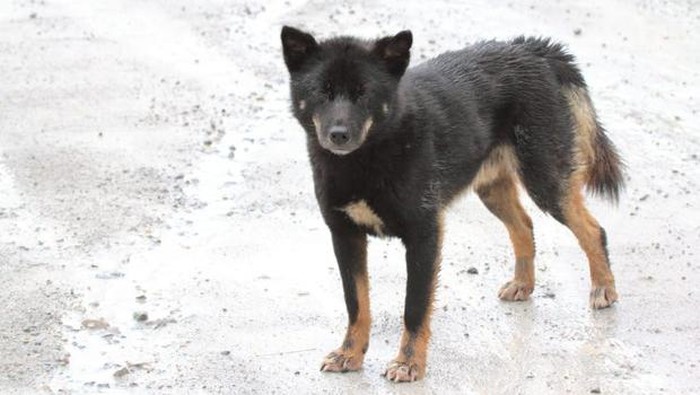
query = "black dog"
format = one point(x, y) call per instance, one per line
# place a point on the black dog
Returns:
point(390, 148)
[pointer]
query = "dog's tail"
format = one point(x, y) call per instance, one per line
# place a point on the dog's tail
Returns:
point(595, 156)
point(596, 159)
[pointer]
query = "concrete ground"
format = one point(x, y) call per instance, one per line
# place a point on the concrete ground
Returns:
point(158, 231)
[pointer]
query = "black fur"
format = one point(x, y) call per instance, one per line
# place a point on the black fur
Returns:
point(446, 116)
point(432, 127)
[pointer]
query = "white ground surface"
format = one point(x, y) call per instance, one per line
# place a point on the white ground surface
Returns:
point(149, 163)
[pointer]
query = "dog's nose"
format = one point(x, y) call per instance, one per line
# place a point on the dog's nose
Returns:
point(339, 135)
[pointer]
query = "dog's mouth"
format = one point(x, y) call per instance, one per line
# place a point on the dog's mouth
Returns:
point(340, 152)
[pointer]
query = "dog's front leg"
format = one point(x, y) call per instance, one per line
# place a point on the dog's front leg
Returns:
point(350, 246)
point(423, 247)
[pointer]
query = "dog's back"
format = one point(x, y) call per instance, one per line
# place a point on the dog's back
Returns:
point(531, 99)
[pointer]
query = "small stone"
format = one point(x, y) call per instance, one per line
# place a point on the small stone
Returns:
point(95, 324)
point(578, 31)
point(472, 270)
point(109, 275)
point(141, 316)
point(595, 391)
point(226, 352)
point(121, 372)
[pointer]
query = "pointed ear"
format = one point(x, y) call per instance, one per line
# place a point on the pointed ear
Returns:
point(395, 51)
point(297, 47)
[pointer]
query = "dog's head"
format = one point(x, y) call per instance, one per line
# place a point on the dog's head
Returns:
point(344, 88)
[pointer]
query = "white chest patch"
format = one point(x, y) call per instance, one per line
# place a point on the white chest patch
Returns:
point(362, 214)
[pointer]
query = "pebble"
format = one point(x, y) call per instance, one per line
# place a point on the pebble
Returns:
point(141, 316)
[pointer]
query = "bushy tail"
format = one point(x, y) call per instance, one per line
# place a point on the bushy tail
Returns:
point(595, 156)
point(596, 159)
point(606, 174)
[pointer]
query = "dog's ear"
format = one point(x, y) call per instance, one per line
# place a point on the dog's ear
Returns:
point(297, 47)
point(395, 51)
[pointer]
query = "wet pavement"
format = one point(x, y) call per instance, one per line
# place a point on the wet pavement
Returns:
point(159, 234)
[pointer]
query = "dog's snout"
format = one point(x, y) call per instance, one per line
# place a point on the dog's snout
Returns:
point(339, 135)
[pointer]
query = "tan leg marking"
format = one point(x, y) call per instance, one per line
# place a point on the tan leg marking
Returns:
point(501, 162)
point(588, 232)
point(410, 363)
point(351, 354)
point(501, 198)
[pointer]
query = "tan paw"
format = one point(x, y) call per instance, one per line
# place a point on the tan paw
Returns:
point(342, 361)
point(404, 372)
point(515, 290)
point(603, 296)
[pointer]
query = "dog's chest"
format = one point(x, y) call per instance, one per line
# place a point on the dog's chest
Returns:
point(363, 215)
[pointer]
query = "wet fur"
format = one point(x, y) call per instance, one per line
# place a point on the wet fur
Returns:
point(486, 118)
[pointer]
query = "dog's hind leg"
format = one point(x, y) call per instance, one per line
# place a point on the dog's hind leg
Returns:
point(598, 166)
point(591, 237)
point(501, 198)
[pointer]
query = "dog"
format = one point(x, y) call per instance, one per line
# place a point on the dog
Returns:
point(391, 147)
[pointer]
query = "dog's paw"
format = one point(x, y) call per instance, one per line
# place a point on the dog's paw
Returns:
point(404, 372)
point(342, 361)
point(515, 290)
point(603, 296)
